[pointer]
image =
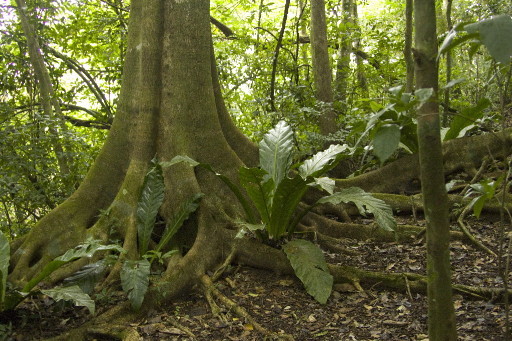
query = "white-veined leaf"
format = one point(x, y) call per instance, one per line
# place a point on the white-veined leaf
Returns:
point(365, 202)
point(135, 280)
point(150, 200)
point(276, 151)
point(72, 293)
point(322, 162)
point(308, 262)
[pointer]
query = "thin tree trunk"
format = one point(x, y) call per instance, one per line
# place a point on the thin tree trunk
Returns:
point(409, 61)
point(50, 103)
point(276, 58)
point(441, 315)
point(446, 99)
point(361, 75)
point(344, 51)
point(322, 67)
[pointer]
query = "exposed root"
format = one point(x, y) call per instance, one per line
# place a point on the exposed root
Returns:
point(240, 311)
point(472, 239)
point(408, 282)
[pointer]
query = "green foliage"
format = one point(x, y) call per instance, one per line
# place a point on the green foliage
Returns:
point(135, 273)
point(485, 190)
point(309, 265)
point(394, 126)
point(276, 197)
point(494, 33)
point(88, 275)
point(4, 267)
point(365, 203)
point(276, 152)
point(386, 141)
point(186, 209)
point(466, 119)
point(86, 249)
point(150, 201)
point(73, 294)
point(135, 280)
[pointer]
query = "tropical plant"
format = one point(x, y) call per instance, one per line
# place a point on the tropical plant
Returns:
point(9, 299)
point(276, 196)
point(135, 273)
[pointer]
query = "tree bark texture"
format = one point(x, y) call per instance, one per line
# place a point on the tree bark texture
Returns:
point(441, 316)
point(322, 73)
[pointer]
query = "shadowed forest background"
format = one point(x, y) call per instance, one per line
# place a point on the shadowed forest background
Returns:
point(152, 187)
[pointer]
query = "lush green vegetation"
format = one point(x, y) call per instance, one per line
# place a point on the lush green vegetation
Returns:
point(61, 86)
point(84, 44)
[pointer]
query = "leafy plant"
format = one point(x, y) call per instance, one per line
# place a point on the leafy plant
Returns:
point(485, 190)
point(494, 33)
point(10, 299)
point(135, 273)
point(308, 262)
point(276, 196)
point(393, 125)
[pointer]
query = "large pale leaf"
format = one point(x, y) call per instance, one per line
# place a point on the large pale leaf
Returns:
point(386, 141)
point(187, 208)
point(135, 281)
point(87, 276)
point(286, 200)
point(466, 117)
point(495, 34)
point(5, 255)
point(365, 202)
point(308, 262)
point(150, 200)
point(259, 189)
point(86, 249)
point(72, 293)
point(322, 162)
point(276, 151)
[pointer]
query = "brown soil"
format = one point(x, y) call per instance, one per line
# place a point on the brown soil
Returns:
point(280, 303)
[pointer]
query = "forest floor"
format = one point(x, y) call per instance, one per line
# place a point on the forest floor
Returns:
point(280, 303)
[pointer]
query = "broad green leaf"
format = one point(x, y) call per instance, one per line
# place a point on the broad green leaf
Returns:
point(276, 151)
point(423, 95)
point(72, 293)
point(86, 249)
point(245, 227)
point(453, 82)
point(187, 208)
point(364, 203)
point(325, 183)
point(495, 34)
point(466, 117)
point(259, 189)
point(286, 200)
point(135, 281)
point(150, 200)
point(87, 277)
point(454, 39)
point(386, 141)
point(308, 262)
point(322, 162)
point(5, 255)
point(487, 189)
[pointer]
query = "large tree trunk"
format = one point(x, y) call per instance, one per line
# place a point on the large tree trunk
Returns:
point(170, 105)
